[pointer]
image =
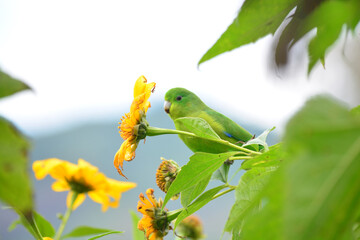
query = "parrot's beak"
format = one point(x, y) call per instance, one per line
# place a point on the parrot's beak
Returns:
point(167, 105)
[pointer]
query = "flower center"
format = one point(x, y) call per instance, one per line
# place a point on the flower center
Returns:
point(79, 187)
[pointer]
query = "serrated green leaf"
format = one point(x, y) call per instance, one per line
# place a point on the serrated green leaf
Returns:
point(83, 231)
point(188, 195)
point(198, 203)
point(10, 85)
point(328, 28)
point(200, 166)
point(247, 193)
point(256, 19)
point(315, 192)
point(137, 234)
point(196, 125)
point(15, 183)
point(44, 226)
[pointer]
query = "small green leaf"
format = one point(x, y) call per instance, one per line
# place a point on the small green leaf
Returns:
point(355, 111)
point(105, 234)
point(137, 234)
point(44, 226)
point(271, 158)
point(256, 19)
point(222, 173)
point(260, 140)
point(198, 203)
point(200, 166)
point(198, 126)
point(15, 183)
point(188, 195)
point(10, 85)
point(86, 231)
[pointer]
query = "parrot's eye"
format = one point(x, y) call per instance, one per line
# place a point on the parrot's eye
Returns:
point(178, 98)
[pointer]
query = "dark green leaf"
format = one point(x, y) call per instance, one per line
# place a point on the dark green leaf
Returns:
point(137, 234)
point(44, 226)
point(315, 192)
point(200, 166)
point(188, 195)
point(198, 203)
point(256, 19)
point(86, 231)
point(10, 85)
point(15, 183)
point(198, 126)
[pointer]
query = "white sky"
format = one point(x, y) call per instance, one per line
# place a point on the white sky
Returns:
point(82, 58)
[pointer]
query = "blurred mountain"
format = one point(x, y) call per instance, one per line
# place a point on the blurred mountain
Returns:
point(97, 142)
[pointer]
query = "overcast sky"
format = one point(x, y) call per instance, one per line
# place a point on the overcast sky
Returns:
point(82, 58)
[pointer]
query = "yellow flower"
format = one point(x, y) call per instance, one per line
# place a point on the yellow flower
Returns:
point(47, 238)
point(133, 124)
point(81, 179)
point(166, 174)
point(154, 221)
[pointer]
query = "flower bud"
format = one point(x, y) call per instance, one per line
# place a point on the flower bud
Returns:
point(166, 174)
point(190, 228)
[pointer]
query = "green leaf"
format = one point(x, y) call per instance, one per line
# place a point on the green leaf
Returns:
point(328, 28)
point(198, 126)
point(260, 140)
point(198, 203)
point(105, 234)
point(355, 111)
point(188, 195)
point(10, 85)
point(15, 183)
point(271, 158)
point(86, 231)
point(137, 234)
point(222, 173)
point(200, 167)
point(247, 192)
point(315, 192)
point(44, 226)
point(256, 19)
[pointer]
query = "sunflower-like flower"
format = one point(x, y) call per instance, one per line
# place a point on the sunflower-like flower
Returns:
point(81, 179)
point(133, 124)
point(154, 222)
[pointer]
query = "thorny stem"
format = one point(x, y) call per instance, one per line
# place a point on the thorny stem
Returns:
point(154, 131)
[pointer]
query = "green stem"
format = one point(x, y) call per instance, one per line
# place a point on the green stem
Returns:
point(154, 131)
point(66, 217)
point(240, 158)
point(232, 188)
point(174, 214)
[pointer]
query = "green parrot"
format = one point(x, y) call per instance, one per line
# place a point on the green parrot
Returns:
point(180, 102)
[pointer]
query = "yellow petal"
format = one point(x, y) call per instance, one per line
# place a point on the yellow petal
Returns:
point(118, 187)
point(100, 197)
point(78, 201)
point(60, 186)
point(119, 160)
point(42, 168)
point(140, 86)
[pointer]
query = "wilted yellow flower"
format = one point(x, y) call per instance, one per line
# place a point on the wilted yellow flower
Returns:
point(133, 124)
point(166, 174)
point(154, 221)
point(191, 228)
point(81, 179)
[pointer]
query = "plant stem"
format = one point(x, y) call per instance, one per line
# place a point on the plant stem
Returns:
point(232, 188)
point(66, 216)
point(240, 158)
point(154, 131)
